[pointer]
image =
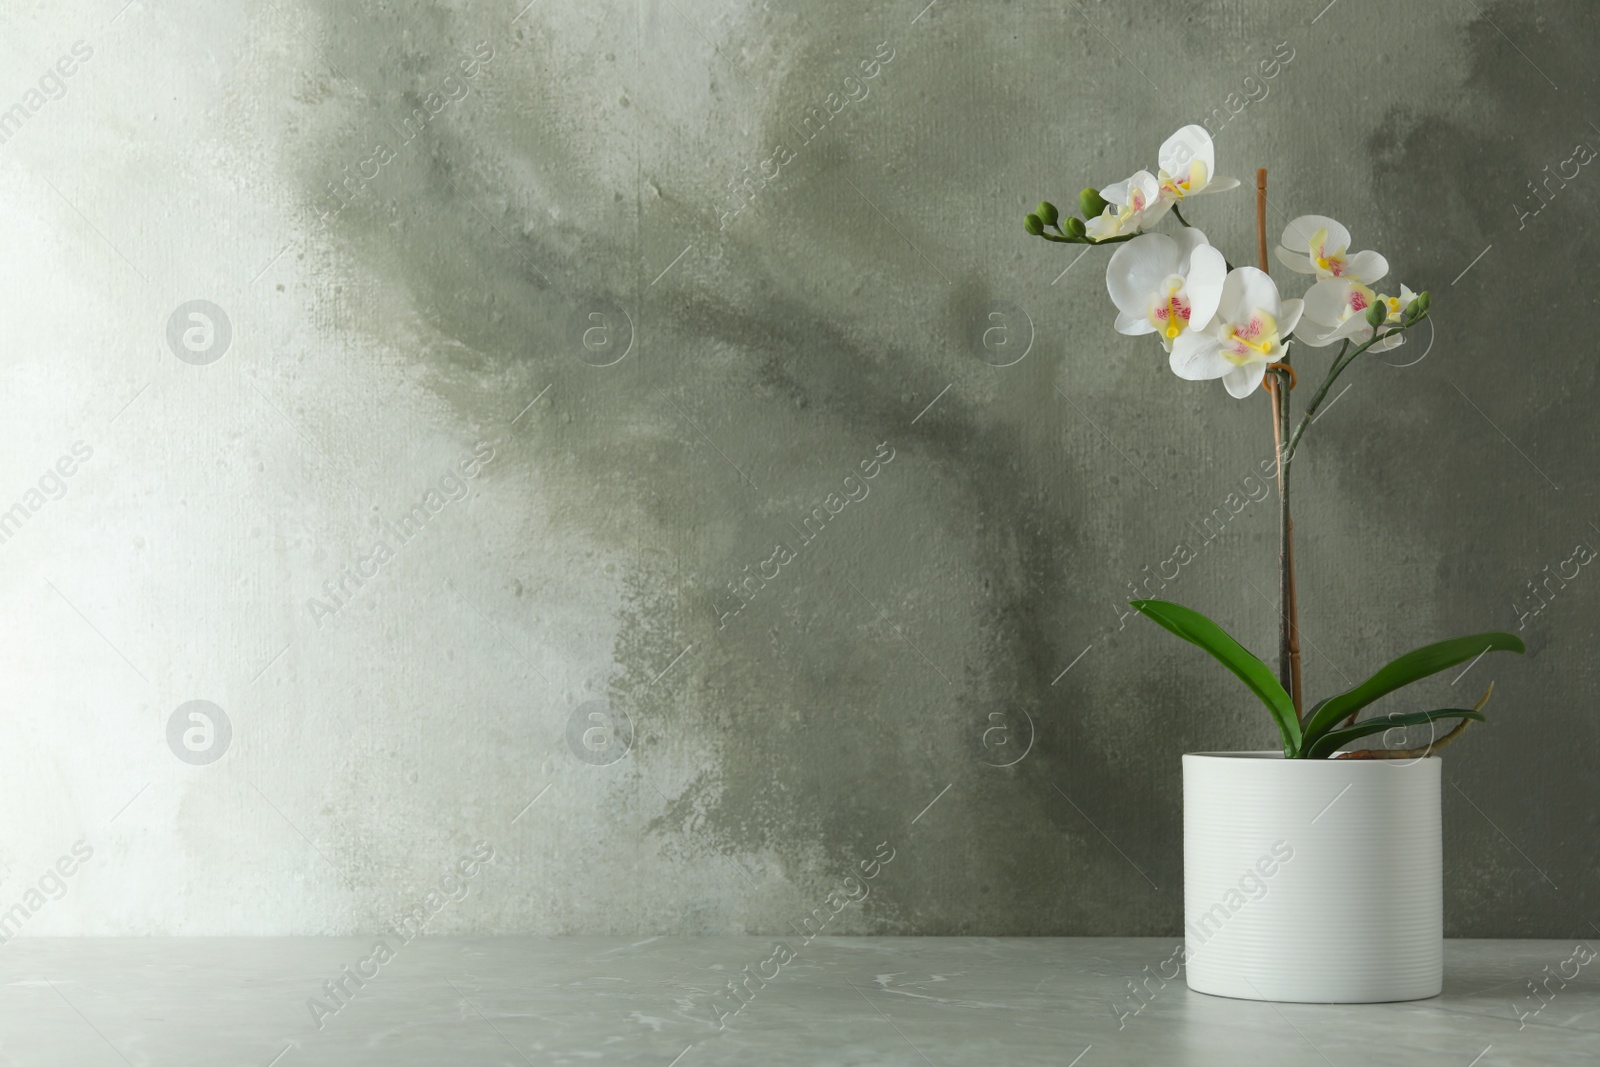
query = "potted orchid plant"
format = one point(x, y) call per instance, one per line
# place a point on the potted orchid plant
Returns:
point(1271, 837)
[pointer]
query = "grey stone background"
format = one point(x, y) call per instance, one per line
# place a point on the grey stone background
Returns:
point(962, 615)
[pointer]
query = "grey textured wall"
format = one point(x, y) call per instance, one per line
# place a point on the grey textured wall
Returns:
point(433, 225)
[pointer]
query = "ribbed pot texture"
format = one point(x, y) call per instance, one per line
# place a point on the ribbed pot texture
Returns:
point(1312, 880)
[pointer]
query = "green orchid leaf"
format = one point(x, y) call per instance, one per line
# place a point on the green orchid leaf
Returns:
point(1197, 629)
point(1430, 659)
point(1334, 740)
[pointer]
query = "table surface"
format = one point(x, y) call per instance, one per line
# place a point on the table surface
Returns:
point(888, 1002)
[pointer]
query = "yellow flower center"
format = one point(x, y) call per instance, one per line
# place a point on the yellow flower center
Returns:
point(1121, 216)
point(1250, 342)
point(1333, 261)
point(1177, 188)
point(1359, 300)
point(1170, 314)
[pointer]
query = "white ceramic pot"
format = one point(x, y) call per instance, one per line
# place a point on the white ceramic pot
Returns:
point(1312, 880)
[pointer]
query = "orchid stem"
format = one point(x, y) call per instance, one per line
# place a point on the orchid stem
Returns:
point(1179, 214)
point(1291, 597)
point(1279, 383)
point(1287, 443)
point(1340, 363)
point(1088, 240)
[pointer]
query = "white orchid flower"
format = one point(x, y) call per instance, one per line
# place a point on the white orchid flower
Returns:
point(1126, 205)
point(1339, 307)
point(1166, 285)
point(1396, 305)
point(1316, 244)
point(1247, 333)
point(1188, 168)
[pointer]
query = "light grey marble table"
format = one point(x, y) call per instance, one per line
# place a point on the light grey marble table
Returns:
point(905, 1002)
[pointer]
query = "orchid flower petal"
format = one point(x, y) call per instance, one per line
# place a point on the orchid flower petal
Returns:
point(1242, 381)
point(1134, 325)
point(1328, 301)
point(1289, 316)
point(1208, 271)
point(1366, 267)
point(1197, 357)
point(1297, 235)
point(1189, 145)
point(1247, 289)
point(1138, 267)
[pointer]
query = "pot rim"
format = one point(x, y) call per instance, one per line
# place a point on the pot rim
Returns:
point(1276, 754)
